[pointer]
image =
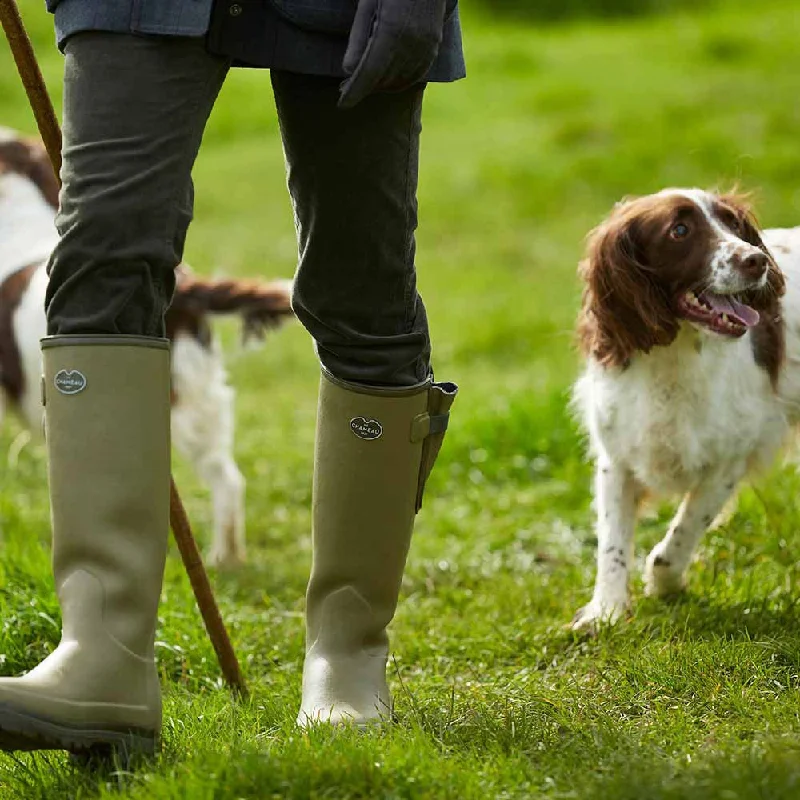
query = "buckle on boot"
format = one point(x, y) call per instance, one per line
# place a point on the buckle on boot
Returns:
point(427, 424)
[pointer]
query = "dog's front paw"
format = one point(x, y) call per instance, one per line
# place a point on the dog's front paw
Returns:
point(598, 613)
point(225, 558)
point(662, 578)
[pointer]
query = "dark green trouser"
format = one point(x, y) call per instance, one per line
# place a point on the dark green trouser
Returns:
point(134, 113)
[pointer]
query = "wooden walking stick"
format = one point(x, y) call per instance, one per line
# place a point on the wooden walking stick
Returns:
point(32, 80)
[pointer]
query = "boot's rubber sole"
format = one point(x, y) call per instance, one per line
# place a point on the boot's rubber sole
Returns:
point(29, 732)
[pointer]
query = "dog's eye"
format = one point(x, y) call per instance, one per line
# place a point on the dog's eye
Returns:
point(734, 223)
point(679, 231)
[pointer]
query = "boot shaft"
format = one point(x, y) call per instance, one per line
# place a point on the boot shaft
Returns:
point(374, 450)
point(365, 477)
point(107, 418)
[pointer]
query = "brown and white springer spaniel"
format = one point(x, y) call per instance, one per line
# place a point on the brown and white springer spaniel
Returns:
point(690, 327)
point(202, 399)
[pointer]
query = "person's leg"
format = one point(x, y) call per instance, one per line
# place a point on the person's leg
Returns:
point(353, 179)
point(134, 112)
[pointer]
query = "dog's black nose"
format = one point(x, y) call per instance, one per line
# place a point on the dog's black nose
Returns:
point(754, 265)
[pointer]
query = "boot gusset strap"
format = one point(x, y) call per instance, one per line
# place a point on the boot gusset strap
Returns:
point(430, 428)
point(436, 419)
point(427, 424)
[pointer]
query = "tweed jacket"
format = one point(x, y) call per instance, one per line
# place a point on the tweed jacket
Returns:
point(308, 36)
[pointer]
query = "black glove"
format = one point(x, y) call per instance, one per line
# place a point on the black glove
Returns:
point(392, 45)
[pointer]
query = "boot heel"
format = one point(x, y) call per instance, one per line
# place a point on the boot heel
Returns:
point(125, 754)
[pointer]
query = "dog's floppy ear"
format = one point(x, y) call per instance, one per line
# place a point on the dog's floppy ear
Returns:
point(29, 158)
point(623, 309)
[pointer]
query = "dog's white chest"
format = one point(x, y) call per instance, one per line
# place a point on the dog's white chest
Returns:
point(27, 231)
point(680, 411)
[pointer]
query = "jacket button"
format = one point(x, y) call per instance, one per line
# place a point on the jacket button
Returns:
point(234, 9)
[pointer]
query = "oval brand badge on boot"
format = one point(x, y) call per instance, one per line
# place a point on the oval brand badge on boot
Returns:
point(366, 428)
point(70, 381)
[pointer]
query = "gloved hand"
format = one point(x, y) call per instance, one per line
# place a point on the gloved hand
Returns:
point(392, 45)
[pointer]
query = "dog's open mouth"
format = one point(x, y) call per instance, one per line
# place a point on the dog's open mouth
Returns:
point(723, 314)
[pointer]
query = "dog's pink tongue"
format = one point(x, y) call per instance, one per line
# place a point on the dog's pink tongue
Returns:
point(733, 308)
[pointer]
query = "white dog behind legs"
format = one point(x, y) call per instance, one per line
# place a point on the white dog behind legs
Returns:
point(202, 417)
point(203, 432)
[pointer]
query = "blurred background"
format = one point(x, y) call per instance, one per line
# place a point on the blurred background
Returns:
point(569, 106)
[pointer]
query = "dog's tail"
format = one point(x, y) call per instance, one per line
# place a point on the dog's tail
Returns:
point(262, 305)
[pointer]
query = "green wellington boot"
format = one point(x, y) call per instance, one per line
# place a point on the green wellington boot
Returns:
point(375, 450)
point(107, 425)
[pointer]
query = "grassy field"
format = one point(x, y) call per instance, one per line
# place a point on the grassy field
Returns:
point(698, 699)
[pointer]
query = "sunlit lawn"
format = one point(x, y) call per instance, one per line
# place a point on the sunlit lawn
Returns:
point(494, 698)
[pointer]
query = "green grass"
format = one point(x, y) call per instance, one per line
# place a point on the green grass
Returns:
point(697, 699)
